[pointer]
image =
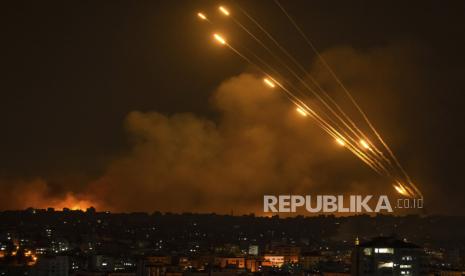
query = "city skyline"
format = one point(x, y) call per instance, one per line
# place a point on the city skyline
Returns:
point(49, 242)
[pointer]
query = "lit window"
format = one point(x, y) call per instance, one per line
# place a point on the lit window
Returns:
point(367, 251)
point(405, 266)
point(384, 250)
point(385, 265)
point(407, 258)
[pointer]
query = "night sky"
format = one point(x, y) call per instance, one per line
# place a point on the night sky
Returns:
point(129, 105)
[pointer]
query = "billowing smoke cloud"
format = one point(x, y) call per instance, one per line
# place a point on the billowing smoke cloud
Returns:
point(258, 145)
point(183, 162)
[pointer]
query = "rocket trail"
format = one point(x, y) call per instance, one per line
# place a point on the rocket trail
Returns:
point(320, 121)
point(202, 16)
point(300, 79)
point(374, 164)
point(355, 141)
point(351, 98)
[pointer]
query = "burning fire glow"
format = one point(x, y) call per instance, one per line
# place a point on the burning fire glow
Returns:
point(73, 203)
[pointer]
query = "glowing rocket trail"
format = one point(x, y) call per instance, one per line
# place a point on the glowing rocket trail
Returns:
point(223, 41)
point(269, 82)
point(219, 38)
point(344, 137)
point(340, 141)
point(303, 109)
point(295, 74)
point(365, 144)
point(401, 189)
point(202, 16)
point(331, 131)
point(351, 98)
point(224, 10)
point(326, 126)
point(375, 152)
point(306, 85)
point(374, 164)
point(320, 121)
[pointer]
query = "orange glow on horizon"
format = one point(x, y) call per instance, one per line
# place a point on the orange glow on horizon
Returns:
point(73, 203)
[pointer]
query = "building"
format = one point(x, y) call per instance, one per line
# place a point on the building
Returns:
point(387, 256)
point(252, 264)
point(52, 266)
point(102, 263)
point(231, 262)
point(452, 273)
point(310, 260)
point(273, 260)
point(291, 253)
point(153, 266)
point(253, 250)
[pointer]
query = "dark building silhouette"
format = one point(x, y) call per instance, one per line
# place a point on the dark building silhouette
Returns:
point(387, 256)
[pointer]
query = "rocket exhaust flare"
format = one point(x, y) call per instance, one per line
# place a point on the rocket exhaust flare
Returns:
point(202, 16)
point(301, 111)
point(340, 141)
point(223, 10)
point(219, 38)
point(269, 82)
